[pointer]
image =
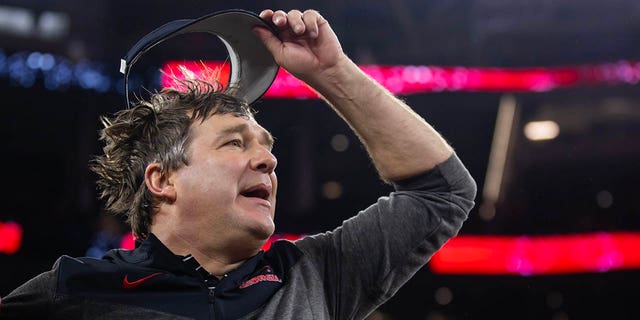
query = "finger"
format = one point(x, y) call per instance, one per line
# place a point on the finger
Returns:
point(311, 20)
point(266, 15)
point(279, 19)
point(294, 17)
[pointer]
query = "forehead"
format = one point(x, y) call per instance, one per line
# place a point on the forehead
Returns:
point(227, 124)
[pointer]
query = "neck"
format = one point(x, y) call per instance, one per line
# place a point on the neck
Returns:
point(217, 261)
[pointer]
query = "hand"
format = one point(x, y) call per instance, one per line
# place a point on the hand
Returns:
point(305, 45)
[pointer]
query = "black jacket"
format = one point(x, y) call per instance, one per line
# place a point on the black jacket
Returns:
point(151, 277)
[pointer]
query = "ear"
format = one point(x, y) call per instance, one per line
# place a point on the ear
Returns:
point(158, 183)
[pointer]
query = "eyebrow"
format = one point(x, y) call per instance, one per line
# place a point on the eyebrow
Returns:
point(243, 127)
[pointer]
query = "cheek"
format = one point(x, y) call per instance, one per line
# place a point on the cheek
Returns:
point(274, 181)
point(205, 185)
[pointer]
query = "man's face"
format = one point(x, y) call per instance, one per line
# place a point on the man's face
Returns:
point(226, 195)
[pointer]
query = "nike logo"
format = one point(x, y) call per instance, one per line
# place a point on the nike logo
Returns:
point(132, 284)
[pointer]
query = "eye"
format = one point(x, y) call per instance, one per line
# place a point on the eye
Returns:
point(235, 143)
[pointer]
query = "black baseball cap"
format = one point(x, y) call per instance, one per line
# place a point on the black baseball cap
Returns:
point(253, 68)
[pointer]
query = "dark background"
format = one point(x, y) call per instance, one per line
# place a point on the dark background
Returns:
point(49, 135)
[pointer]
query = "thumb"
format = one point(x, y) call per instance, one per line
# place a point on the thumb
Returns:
point(269, 39)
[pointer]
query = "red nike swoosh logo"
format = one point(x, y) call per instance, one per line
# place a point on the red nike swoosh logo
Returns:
point(132, 284)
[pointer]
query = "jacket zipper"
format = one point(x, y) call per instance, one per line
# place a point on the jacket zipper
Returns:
point(211, 298)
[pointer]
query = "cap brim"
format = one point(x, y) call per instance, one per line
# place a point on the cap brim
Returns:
point(253, 68)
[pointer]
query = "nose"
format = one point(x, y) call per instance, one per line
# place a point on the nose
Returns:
point(263, 160)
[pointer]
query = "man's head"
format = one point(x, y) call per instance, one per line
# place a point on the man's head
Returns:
point(198, 158)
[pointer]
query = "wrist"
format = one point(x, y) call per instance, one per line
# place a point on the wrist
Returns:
point(342, 79)
point(339, 72)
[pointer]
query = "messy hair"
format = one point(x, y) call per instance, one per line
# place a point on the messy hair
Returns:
point(153, 131)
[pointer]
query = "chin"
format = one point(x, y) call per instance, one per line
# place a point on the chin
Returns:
point(264, 234)
point(260, 231)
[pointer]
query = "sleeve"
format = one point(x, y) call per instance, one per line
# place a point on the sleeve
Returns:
point(365, 261)
point(33, 299)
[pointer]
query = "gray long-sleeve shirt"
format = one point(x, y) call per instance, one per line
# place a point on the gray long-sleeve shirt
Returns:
point(349, 272)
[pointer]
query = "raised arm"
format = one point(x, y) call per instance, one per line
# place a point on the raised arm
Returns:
point(370, 256)
point(400, 142)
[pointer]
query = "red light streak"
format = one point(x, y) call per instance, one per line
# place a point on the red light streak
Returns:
point(406, 80)
point(538, 255)
point(211, 71)
point(128, 241)
point(10, 237)
point(286, 236)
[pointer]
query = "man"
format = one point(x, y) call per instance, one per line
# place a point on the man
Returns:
point(195, 174)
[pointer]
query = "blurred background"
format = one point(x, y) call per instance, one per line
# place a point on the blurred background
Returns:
point(539, 98)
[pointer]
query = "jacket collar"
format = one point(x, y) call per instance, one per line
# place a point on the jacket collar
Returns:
point(152, 253)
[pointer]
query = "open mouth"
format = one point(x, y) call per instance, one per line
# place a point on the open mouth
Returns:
point(260, 191)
